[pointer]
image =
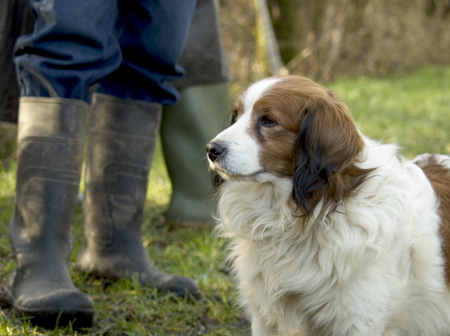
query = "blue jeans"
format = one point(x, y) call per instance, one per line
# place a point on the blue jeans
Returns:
point(128, 48)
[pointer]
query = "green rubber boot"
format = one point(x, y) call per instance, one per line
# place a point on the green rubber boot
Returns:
point(50, 153)
point(122, 140)
point(199, 116)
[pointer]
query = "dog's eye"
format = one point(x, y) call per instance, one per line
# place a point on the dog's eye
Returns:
point(234, 116)
point(267, 122)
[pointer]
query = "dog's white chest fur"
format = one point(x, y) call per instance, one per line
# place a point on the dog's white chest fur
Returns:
point(373, 267)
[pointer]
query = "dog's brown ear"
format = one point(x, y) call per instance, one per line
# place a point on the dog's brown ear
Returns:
point(327, 145)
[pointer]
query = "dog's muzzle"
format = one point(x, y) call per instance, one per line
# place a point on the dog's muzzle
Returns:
point(215, 150)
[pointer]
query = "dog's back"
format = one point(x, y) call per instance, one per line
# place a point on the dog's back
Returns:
point(437, 169)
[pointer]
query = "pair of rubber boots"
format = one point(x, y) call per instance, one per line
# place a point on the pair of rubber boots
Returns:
point(122, 139)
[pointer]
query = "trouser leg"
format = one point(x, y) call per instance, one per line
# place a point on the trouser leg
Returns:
point(73, 45)
point(151, 35)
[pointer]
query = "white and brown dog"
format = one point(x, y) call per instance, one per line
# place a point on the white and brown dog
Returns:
point(331, 233)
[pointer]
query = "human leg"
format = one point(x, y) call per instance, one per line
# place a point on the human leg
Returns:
point(126, 114)
point(199, 115)
point(69, 49)
point(186, 127)
point(123, 135)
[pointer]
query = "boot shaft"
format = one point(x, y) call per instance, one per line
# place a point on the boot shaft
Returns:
point(122, 139)
point(50, 154)
point(201, 113)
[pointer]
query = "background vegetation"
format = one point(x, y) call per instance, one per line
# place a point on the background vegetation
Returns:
point(385, 59)
point(412, 110)
point(322, 39)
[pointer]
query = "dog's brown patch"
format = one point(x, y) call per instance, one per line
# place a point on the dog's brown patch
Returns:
point(237, 109)
point(314, 127)
point(439, 177)
point(284, 107)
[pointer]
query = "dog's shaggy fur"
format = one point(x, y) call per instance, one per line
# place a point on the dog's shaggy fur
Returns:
point(331, 233)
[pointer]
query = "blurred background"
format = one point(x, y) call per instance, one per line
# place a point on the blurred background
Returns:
point(325, 39)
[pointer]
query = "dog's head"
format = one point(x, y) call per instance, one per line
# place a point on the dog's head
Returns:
point(291, 127)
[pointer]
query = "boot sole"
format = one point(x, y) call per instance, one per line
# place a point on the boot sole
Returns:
point(49, 319)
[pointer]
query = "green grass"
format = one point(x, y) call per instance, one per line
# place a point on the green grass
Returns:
point(412, 110)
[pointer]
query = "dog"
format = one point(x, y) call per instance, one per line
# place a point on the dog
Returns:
point(331, 233)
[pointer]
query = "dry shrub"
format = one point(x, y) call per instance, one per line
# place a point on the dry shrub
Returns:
point(326, 38)
point(238, 19)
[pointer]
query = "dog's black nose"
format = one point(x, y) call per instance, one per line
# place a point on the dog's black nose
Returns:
point(215, 150)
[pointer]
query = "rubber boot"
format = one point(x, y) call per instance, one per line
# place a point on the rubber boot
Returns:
point(50, 153)
point(199, 116)
point(122, 139)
